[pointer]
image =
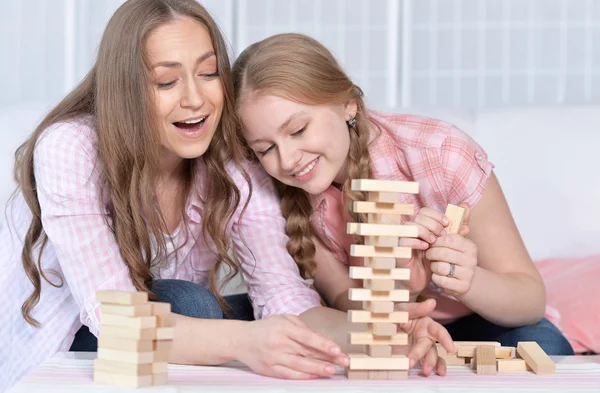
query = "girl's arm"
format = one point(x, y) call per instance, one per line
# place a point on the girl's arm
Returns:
point(499, 281)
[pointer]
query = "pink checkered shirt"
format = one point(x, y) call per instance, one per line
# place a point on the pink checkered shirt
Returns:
point(83, 250)
point(448, 165)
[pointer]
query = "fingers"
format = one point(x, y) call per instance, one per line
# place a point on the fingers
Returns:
point(420, 349)
point(299, 349)
point(314, 341)
point(451, 285)
point(417, 310)
point(443, 269)
point(440, 367)
point(437, 332)
point(429, 361)
point(279, 371)
point(307, 366)
point(413, 243)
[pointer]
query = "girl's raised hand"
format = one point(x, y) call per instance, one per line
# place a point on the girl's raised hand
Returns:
point(285, 347)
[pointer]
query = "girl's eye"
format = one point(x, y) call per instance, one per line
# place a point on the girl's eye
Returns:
point(300, 131)
point(211, 76)
point(166, 85)
point(268, 149)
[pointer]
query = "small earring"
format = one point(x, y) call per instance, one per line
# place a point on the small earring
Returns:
point(351, 122)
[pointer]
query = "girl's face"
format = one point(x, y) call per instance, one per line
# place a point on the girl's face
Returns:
point(300, 145)
point(187, 88)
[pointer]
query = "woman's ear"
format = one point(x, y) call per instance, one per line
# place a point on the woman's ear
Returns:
point(350, 109)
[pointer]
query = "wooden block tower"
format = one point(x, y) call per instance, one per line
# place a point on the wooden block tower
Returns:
point(135, 339)
point(380, 275)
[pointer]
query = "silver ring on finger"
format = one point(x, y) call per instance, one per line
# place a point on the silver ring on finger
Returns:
point(452, 269)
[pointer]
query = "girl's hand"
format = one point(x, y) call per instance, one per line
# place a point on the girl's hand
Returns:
point(285, 347)
point(423, 333)
point(453, 260)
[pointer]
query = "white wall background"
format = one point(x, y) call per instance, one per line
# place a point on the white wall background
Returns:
point(466, 54)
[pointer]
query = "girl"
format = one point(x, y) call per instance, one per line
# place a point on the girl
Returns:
point(306, 123)
point(135, 177)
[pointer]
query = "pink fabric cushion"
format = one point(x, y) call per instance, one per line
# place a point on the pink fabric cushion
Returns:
point(572, 288)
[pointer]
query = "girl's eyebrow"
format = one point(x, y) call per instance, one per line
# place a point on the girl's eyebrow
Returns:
point(174, 64)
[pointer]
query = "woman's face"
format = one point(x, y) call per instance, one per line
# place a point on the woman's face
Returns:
point(187, 88)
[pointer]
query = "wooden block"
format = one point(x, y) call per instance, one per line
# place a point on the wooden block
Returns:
point(397, 375)
point(384, 219)
point(357, 374)
point(366, 362)
point(383, 208)
point(358, 250)
point(379, 351)
point(381, 241)
point(397, 295)
point(131, 333)
point(165, 320)
point(378, 375)
point(160, 308)
point(123, 368)
point(369, 272)
point(379, 284)
point(132, 322)
point(362, 316)
point(452, 360)
point(367, 229)
point(383, 329)
point(124, 344)
point(379, 307)
point(403, 187)
point(366, 338)
point(486, 360)
point(162, 345)
point(138, 310)
point(380, 263)
point(119, 297)
point(475, 343)
point(160, 379)
point(535, 357)
point(456, 215)
point(501, 352)
point(164, 333)
point(160, 367)
point(512, 365)
point(132, 381)
point(382, 197)
point(126, 357)
point(161, 356)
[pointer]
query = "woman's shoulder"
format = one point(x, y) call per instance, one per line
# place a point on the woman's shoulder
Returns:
point(68, 137)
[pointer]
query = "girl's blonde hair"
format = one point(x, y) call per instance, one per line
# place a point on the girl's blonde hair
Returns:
point(118, 96)
point(300, 69)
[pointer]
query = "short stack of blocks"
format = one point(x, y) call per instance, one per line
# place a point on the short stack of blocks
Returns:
point(381, 235)
point(135, 339)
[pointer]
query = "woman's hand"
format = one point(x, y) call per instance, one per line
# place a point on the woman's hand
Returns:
point(423, 334)
point(285, 347)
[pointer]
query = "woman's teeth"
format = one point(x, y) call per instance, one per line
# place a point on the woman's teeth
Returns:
point(194, 121)
point(307, 169)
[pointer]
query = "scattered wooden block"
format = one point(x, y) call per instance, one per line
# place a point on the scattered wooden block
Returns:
point(118, 297)
point(367, 229)
point(357, 250)
point(131, 322)
point(383, 208)
point(365, 362)
point(123, 344)
point(512, 365)
point(456, 216)
point(397, 295)
point(133, 381)
point(361, 316)
point(369, 273)
point(385, 186)
point(138, 310)
point(500, 352)
point(486, 360)
point(458, 344)
point(535, 357)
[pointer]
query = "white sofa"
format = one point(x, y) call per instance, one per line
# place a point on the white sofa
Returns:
point(547, 160)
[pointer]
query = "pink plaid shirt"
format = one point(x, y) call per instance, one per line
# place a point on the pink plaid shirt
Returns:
point(83, 250)
point(448, 165)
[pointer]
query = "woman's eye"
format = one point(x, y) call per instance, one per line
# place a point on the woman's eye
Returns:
point(268, 149)
point(166, 85)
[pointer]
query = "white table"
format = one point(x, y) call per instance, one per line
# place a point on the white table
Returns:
point(72, 372)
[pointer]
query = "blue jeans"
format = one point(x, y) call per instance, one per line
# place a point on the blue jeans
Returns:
point(475, 328)
point(187, 299)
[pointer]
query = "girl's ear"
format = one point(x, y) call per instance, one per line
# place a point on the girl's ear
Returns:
point(350, 109)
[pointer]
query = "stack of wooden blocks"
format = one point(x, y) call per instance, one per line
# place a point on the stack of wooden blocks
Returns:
point(380, 250)
point(135, 338)
point(488, 357)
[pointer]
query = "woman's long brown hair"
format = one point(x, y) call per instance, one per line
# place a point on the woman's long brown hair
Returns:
point(116, 93)
point(299, 68)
